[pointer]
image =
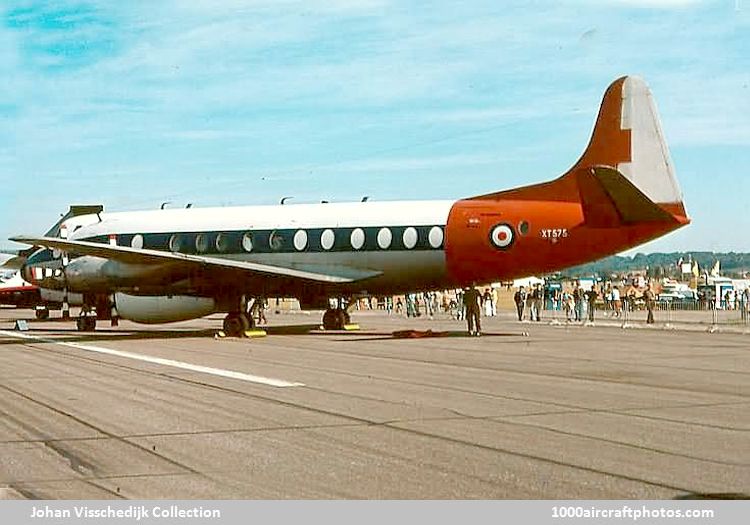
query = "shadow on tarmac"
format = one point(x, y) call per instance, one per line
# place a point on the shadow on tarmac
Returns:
point(60, 335)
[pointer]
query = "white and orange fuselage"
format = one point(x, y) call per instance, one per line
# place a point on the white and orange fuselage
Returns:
point(621, 193)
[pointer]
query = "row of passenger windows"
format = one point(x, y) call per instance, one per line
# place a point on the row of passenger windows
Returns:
point(300, 240)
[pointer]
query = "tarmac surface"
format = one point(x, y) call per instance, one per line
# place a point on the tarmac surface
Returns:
point(525, 411)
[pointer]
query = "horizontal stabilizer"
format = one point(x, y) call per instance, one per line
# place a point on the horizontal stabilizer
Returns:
point(610, 200)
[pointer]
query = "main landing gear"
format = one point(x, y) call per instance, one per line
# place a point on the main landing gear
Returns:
point(86, 321)
point(96, 308)
point(335, 319)
point(237, 323)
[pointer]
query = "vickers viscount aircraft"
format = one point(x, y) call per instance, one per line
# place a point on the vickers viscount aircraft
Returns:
point(176, 264)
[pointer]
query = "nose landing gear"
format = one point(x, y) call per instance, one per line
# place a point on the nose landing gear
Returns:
point(336, 316)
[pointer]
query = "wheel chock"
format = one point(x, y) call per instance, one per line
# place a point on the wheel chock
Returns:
point(255, 333)
point(351, 327)
point(220, 335)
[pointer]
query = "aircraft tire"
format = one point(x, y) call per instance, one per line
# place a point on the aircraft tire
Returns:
point(42, 314)
point(234, 325)
point(335, 319)
point(86, 324)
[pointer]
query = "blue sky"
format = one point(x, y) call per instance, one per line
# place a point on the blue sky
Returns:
point(228, 102)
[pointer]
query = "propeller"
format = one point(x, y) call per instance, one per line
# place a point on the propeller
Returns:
point(64, 260)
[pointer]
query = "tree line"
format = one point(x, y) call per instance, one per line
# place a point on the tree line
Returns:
point(733, 264)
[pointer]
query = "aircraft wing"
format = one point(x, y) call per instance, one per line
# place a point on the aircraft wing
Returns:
point(126, 254)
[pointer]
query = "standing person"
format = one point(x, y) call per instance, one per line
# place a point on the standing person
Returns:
point(471, 302)
point(493, 295)
point(539, 301)
point(616, 303)
point(569, 306)
point(578, 301)
point(649, 297)
point(591, 296)
point(487, 302)
point(411, 300)
point(460, 306)
point(261, 310)
point(428, 304)
point(531, 303)
point(520, 299)
point(535, 303)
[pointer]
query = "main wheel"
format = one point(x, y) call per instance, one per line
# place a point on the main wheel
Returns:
point(235, 324)
point(335, 319)
point(42, 313)
point(86, 324)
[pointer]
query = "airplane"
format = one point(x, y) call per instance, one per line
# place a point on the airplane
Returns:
point(17, 292)
point(177, 264)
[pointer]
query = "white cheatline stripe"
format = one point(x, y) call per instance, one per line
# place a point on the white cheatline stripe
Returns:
point(160, 361)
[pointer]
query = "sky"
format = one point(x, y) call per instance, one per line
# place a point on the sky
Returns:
point(240, 102)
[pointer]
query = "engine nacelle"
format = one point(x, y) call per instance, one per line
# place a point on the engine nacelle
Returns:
point(162, 308)
point(97, 274)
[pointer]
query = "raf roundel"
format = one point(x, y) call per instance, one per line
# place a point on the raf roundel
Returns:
point(501, 236)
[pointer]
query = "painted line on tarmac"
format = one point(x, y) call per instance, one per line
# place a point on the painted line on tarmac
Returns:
point(279, 383)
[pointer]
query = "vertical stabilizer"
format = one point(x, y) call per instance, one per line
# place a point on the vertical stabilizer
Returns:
point(627, 137)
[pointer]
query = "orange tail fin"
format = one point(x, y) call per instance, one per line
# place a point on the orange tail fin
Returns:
point(628, 139)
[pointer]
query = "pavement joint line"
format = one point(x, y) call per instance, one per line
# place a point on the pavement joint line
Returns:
point(269, 381)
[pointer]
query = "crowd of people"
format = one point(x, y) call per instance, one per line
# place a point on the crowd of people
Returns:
point(578, 303)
